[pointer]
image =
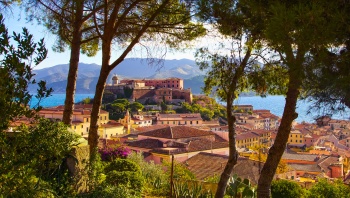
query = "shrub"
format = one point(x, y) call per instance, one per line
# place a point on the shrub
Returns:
point(285, 189)
point(157, 180)
point(111, 153)
point(126, 173)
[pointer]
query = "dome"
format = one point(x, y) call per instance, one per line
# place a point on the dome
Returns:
point(115, 77)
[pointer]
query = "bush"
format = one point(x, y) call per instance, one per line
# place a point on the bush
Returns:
point(286, 189)
point(157, 180)
point(32, 162)
point(324, 189)
point(111, 153)
point(110, 192)
point(126, 173)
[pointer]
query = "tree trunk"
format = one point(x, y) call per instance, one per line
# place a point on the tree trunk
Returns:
point(73, 65)
point(97, 103)
point(276, 151)
point(233, 155)
point(93, 131)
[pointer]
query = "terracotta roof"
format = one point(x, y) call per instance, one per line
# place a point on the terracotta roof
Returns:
point(325, 163)
point(196, 145)
point(305, 167)
point(151, 128)
point(205, 165)
point(247, 135)
point(302, 157)
point(112, 124)
point(146, 143)
point(176, 132)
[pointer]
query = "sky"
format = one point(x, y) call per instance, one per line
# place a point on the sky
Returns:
point(15, 20)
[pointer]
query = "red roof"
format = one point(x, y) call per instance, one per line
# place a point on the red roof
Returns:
point(176, 132)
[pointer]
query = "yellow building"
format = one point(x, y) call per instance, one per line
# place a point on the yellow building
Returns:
point(296, 138)
point(81, 119)
point(246, 140)
point(111, 130)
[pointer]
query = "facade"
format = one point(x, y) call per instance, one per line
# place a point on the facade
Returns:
point(296, 138)
point(246, 140)
point(190, 119)
point(151, 90)
point(81, 120)
point(135, 121)
point(257, 119)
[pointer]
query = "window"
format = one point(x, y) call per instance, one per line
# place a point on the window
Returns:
point(291, 135)
point(185, 122)
point(162, 122)
point(82, 126)
point(190, 122)
point(100, 117)
point(300, 141)
point(75, 127)
point(173, 122)
point(197, 122)
point(291, 140)
point(300, 136)
point(87, 129)
point(105, 117)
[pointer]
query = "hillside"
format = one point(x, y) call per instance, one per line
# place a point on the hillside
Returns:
point(56, 76)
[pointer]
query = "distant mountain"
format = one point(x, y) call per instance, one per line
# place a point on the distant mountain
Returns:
point(183, 71)
point(196, 83)
point(56, 76)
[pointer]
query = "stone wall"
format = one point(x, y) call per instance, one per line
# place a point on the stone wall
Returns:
point(78, 167)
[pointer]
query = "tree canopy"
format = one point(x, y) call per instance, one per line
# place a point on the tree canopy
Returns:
point(19, 54)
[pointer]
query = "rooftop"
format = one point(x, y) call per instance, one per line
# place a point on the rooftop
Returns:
point(177, 132)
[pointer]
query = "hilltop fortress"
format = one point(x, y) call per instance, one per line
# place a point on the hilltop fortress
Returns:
point(171, 90)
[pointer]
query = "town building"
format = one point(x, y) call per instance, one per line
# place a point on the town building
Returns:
point(170, 90)
point(182, 142)
point(186, 119)
point(81, 120)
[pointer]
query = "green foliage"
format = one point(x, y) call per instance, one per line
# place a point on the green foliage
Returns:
point(87, 100)
point(213, 179)
point(106, 191)
point(70, 21)
point(124, 172)
point(16, 74)
point(108, 97)
point(128, 92)
point(157, 180)
point(136, 106)
point(189, 189)
point(324, 189)
point(206, 114)
point(286, 189)
point(163, 106)
point(32, 161)
point(123, 102)
point(95, 169)
point(240, 188)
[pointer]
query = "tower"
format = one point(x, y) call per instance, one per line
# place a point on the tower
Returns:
point(115, 80)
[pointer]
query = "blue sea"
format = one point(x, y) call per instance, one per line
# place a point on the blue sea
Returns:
point(273, 103)
point(58, 99)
